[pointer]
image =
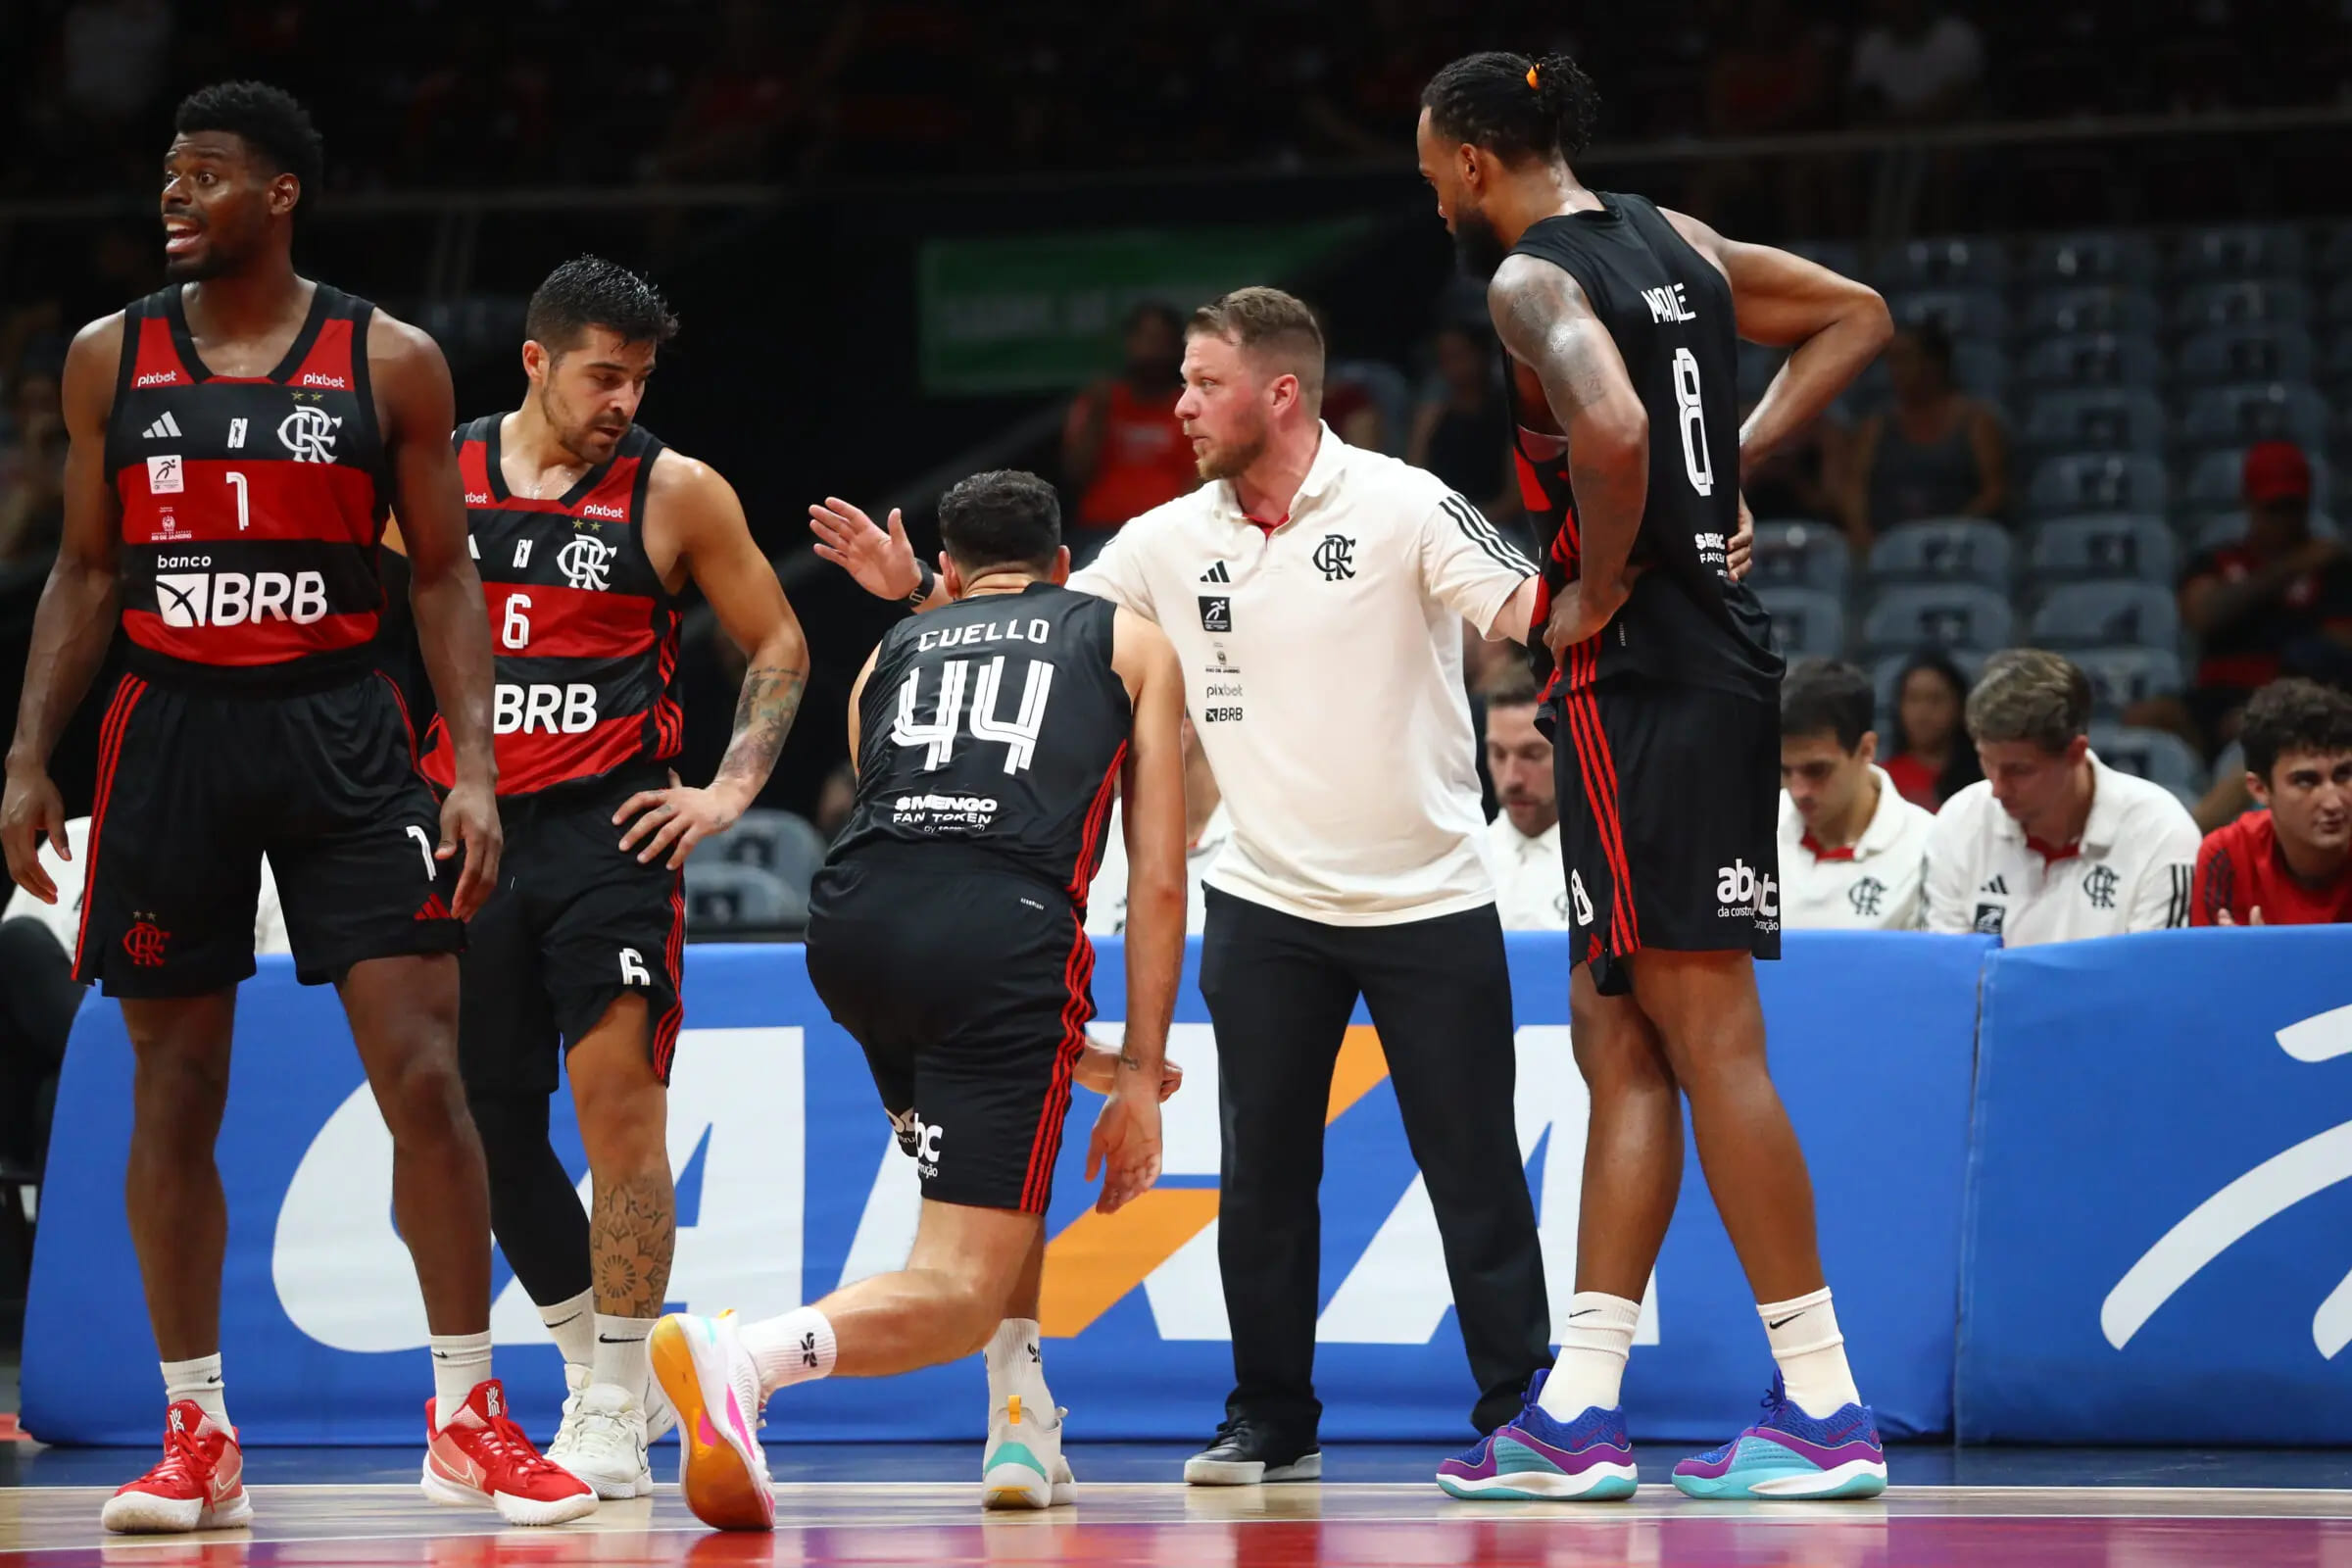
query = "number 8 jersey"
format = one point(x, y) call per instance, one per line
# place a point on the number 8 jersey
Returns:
point(996, 721)
point(1669, 312)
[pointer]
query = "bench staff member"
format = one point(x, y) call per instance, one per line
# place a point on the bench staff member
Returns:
point(1315, 593)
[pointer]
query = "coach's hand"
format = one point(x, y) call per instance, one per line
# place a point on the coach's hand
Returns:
point(33, 811)
point(1578, 614)
point(1740, 554)
point(469, 821)
point(678, 817)
point(1098, 1069)
point(883, 564)
point(1125, 1149)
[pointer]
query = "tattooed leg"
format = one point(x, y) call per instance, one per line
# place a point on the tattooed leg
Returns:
point(625, 1116)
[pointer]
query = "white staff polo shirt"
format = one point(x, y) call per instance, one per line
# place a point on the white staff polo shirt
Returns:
point(1323, 670)
point(2131, 871)
point(1874, 884)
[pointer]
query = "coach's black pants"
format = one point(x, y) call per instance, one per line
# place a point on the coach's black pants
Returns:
point(1279, 991)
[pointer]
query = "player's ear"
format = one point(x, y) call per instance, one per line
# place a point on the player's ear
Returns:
point(949, 577)
point(1061, 572)
point(2260, 790)
point(1868, 749)
point(285, 193)
point(534, 360)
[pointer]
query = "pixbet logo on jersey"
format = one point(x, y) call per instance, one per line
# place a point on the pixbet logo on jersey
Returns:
point(188, 599)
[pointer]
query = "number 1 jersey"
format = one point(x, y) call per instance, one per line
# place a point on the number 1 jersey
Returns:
point(996, 722)
point(1669, 311)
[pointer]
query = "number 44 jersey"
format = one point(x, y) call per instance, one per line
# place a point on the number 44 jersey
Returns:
point(1669, 311)
point(996, 721)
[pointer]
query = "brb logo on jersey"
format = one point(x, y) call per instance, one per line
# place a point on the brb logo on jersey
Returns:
point(191, 599)
point(584, 562)
point(308, 433)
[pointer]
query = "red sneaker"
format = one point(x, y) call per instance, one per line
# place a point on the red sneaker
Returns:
point(482, 1457)
point(198, 1485)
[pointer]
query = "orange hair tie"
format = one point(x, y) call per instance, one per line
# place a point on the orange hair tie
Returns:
point(1531, 78)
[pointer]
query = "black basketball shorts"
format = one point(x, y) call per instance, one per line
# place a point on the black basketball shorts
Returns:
point(194, 787)
point(970, 990)
point(575, 922)
point(1669, 800)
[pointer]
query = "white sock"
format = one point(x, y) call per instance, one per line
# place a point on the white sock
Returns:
point(572, 1325)
point(198, 1381)
point(1016, 1367)
point(460, 1364)
point(1596, 1335)
point(1811, 1353)
point(621, 1357)
point(797, 1347)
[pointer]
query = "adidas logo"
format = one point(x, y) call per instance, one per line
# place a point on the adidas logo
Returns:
point(1217, 574)
point(808, 1348)
point(166, 426)
point(435, 909)
point(1996, 885)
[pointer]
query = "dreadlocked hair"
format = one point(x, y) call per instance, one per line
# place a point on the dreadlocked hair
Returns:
point(1514, 106)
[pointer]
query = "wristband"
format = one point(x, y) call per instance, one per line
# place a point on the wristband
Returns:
point(924, 583)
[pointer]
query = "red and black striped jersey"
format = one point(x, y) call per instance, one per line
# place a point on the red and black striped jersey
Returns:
point(252, 506)
point(585, 632)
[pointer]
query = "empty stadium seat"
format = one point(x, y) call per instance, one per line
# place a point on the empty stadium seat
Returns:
point(2239, 250)
point(2258, 411)
point(2097, 255)
point(2216, 480)
point(2339, 304)
point(2092, 307)
point(2123, 676)
point(784, 843)
point(1964, 313)
point(1792, 554)
point(2156, 755)
point(2106, 544)
point(726, 899)
point(2336, 251)
point(1806, 624)
point(2108, 419)
point(1834, 254)
point(2095, 615)
point(1944, 550)
point(2241, 302)
point(2213, 529)
point(1758, 365)
point(2245, 354)
point(2097, 481)
point(1953, 261)
point(1958, 615)
point(2093, 359)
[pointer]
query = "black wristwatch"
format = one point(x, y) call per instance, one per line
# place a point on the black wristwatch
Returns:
point(925, 581)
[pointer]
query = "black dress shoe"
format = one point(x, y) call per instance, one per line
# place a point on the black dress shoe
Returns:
point(1246, 1452)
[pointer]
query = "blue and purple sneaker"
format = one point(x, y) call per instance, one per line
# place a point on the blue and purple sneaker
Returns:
point(1792, 1454)
point(1534, 1459)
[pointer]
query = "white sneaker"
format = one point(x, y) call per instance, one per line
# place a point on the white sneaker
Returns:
point(712, 1381)
point(603, 1441)
point(1024, 1467)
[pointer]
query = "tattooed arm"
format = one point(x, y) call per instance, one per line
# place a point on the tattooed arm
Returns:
point(699, 510)
point(1547, 324)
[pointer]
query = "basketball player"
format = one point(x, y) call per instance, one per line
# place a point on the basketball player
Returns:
point(1622, 323)
point(236, 439)
point(588, 530)
point(947, 934)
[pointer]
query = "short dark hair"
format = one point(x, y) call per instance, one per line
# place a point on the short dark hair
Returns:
point(1003, 517)
point(1827, 694)
point(1511, 685)
point(2294, 715)
point(269, 119)
point(1266, 320)
point(2028, 694)
point(1514, 106)
point(589, 291)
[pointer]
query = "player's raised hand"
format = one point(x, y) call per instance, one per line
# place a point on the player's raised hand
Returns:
point(1098, 1069)
point(678, 818)
point(469, 822)
point(1125, 1149)
point(30, 812)
point(1740, 554)
point(882, 562)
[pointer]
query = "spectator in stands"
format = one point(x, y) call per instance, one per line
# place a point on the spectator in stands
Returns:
point(1771, 78)
point(836, 797)
point(1803, 478)
point(2290, 864)
point(2053, 845)
point(1206, 823)
point(2280, 601)
point(1523, 843)
point(1352, 408)
point(1916, 64)
point(1931, 759)
point(1853, 852)
point(33, 475)
point(1122, 449)
point(1934, 453)
point(1462, 429)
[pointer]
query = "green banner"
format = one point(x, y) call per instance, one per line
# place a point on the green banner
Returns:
point(1038, 313)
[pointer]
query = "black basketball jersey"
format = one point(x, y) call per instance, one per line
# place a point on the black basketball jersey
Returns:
point(1669, 311)
point(996, 721)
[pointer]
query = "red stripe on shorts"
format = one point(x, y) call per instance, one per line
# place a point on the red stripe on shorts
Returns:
point(110, 753)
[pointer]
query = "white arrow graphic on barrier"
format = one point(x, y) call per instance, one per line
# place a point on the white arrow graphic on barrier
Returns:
point(2261, 1195)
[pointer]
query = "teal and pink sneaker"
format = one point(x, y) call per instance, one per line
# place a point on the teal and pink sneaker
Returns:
point(1532, 1457)
point(1791, 1455)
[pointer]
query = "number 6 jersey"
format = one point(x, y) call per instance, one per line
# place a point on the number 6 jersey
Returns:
point(1669, 311)
point(996, 721)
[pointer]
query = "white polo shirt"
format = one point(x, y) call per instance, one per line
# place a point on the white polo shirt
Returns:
point(1874, 884)
point(1323, 667)
point(1107, 897)
point(1531, 882)
point(2131, 871)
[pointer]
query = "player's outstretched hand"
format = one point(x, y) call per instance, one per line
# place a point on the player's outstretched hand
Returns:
point(33, 811)
point(882, 562)
point(1740, 554)
point(469, 823)
point(1098, 1069)
point(1125, 1149)
point(678, 818)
